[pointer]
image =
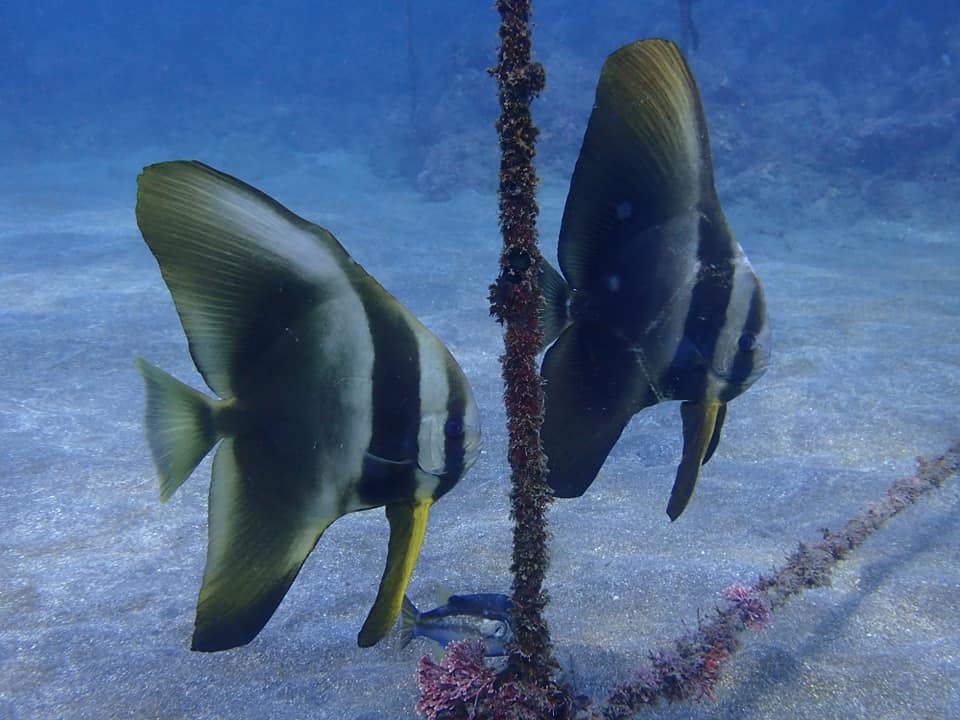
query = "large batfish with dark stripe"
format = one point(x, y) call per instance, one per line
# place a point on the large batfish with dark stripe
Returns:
point(332, 397)
point(660, 302)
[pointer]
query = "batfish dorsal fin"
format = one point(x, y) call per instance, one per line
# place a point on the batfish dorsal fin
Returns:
point(645, 155)
point(240, 267)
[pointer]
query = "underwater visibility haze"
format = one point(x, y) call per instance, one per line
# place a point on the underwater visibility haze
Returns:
point(834, 148)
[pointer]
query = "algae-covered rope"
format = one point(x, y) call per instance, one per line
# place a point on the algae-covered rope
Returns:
point(514, 301)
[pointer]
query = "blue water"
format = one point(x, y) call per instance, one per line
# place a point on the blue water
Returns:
point(836, 139)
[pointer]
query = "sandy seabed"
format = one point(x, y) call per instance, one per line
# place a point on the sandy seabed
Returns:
point(99, 578)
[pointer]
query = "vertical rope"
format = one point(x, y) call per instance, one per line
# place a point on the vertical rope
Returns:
point(514, 301)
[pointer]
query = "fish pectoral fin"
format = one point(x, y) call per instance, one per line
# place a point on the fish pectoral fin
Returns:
point(378, 470)
point(701, 433)
point(408, 524)
point(554, 313)
point(588, 400)
point(256, 545)
point(180, 426)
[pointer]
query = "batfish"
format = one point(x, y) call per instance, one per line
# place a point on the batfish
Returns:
point(330, 397)
point(657, 300)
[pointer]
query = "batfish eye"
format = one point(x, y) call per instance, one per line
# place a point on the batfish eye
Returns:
point(747, 342)
point(453, 428)
point(500, 630)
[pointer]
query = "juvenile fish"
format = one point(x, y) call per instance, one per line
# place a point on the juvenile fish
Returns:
point(485, 616)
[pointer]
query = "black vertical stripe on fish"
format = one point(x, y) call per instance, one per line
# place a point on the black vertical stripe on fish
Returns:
point(274, 365)
point(279, 303)
point(454, 430)
point(395, 402)
point(707, 312)
point(744, 364)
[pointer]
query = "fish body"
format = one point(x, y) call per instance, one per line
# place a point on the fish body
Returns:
point(484, 616)
point(331, 397)
point(657, 301)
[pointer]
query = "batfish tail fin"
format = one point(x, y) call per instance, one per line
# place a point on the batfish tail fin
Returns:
point(181, 427)
point(408, 621)
point(701, 433)
point(408, 524)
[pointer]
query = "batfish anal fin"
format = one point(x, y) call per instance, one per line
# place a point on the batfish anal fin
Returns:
point(589, 399)
point(408, 524)
point(700, 435)
point(645, 157)
point(256, 546)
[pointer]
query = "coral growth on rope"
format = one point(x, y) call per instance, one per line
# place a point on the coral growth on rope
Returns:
point(514, 301)
point(690, 668)
point(462, 686)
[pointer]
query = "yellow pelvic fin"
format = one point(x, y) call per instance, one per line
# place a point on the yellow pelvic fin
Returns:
point(699, 423)
point(408, 524)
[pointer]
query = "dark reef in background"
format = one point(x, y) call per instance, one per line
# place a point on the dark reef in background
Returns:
point(829, 100)
point(838, 98)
